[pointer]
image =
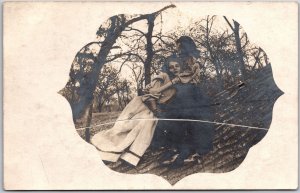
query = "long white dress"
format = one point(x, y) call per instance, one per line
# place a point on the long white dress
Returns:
point(132, 133)
point(130, 136)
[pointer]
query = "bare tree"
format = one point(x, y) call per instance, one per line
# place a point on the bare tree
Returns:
point(105, 89)
point(88, 80)
point(123, 93)
point(212, 55)
point(236, 30)
point(149, 48)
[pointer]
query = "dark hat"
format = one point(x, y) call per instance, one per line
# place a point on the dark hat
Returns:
point(187, 47)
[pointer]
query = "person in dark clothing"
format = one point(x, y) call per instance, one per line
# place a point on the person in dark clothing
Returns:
point(185, 136)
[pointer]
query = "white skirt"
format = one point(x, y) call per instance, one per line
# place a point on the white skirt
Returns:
point(130, 136)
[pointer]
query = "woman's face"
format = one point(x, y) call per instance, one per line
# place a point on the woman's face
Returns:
point(174, 67)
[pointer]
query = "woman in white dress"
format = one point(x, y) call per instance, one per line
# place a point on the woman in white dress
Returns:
point(132, 133)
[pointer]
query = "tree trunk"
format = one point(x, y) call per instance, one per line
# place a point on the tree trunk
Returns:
point(100, 107)
point(240, 54)
point(119, 101)
point(239, 49)
point(149, 49)
point(88, 123)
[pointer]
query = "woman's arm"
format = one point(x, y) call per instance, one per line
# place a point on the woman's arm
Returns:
point(165, 86)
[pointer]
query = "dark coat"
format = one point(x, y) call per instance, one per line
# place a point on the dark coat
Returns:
point(188, 103)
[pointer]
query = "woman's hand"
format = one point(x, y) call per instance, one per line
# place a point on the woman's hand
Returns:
point(176, 80)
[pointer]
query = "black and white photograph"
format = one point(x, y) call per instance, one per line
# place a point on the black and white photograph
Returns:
point(129, 95)
point(172, 99)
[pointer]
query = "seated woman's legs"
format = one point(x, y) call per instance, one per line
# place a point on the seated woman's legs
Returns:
point(162, 136)
point(198, 138)
point(164, 128)
point(202, 138)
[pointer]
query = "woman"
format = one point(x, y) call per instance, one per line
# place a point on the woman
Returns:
point(132, 133)
point(186, 137)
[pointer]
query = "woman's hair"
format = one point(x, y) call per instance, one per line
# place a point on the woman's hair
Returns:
point(165, 68)
point(187, 47)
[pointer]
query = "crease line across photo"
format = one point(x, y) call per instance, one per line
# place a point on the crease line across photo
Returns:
point(189, 120)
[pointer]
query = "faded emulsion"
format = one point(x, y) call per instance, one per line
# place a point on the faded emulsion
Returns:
point(171, 101)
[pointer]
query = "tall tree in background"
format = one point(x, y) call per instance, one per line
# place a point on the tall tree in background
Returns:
point(105, 88)
point(236, 30)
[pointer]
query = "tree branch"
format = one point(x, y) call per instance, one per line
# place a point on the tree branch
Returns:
point(228, 23)
point(142, 17)
point(134, 29)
